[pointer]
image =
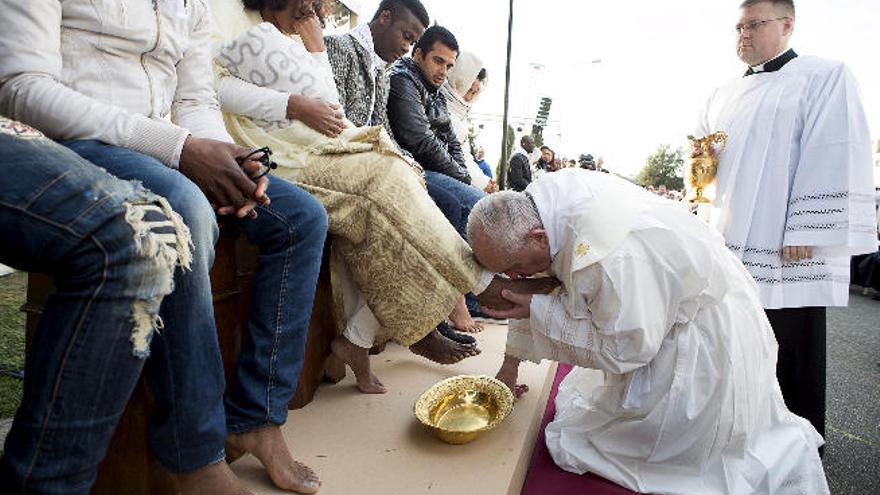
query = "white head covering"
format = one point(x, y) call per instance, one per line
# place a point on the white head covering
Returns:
point(459, 80)
point(466, 69)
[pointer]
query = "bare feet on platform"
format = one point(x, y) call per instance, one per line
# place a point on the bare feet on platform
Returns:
point(358, 359)
point(508, 375)
point(491, 297)
point(216, 479)
point(461, 318)
point(441, 350)
point(267, 444)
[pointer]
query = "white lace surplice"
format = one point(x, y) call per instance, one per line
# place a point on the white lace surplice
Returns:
point(796, 171)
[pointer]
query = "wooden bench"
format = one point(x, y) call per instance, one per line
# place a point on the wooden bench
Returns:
point(128, 462)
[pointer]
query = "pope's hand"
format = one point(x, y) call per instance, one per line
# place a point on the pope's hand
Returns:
point(796, 253)
point(520, 309)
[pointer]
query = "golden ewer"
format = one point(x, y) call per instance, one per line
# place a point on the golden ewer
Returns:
point(704, 163)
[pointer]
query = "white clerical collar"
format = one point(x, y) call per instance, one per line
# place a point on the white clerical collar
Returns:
point(760, 67)
point(364, 36)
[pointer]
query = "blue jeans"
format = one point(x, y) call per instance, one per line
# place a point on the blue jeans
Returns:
point(62, 215)
point(185, 372)
point(454, 198)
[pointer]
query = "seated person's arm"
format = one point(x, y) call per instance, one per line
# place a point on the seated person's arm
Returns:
point(341, 61)
point(413, 130)
point(195, 106)
point(245, 98)
point(31, 91)
point(455, 150)
point(381, 113)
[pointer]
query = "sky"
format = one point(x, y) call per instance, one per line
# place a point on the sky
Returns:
point(628, 76)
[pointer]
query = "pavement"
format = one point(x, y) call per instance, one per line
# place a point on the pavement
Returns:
point(852, 452)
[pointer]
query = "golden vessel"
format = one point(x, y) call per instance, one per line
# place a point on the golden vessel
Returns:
point(704, 163)
point(461, 408)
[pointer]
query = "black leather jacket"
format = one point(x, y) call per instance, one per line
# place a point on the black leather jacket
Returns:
point(420, 121)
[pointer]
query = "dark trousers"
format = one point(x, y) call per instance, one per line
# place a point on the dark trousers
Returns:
point(800, 368)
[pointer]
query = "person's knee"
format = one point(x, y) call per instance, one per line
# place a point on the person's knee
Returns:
point(300, 216)
point(161, 243)
point(314, 221)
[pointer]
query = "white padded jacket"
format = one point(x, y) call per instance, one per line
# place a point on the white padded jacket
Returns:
point(119, 71)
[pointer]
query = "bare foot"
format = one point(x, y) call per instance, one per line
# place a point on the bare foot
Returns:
point(491, 297)
point(508, 375)
point(216, 479)
point(267, 444)
point(461, 318)
point(441, 350)
point(358, 359)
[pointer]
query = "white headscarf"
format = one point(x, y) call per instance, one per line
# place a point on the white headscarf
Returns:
point(459, 80)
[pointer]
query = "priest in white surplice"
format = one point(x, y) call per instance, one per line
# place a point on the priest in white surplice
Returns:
point(793, 197)
point(651, 296)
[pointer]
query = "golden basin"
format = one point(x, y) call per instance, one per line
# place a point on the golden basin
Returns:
point(460, 408)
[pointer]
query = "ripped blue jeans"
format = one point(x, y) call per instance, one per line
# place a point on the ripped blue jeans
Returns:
point(111, 247)
point(185, 371)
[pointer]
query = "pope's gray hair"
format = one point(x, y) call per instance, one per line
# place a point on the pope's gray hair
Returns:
point(506, 217)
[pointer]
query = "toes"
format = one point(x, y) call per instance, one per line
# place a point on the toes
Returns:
point(463, 353)
point(302, 479)
point(308, 479)
point(371, 386)
point(475, 328)
point(372, 389)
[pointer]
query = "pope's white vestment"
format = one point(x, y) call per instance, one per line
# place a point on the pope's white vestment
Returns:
point(797, 171)
point(652, 297)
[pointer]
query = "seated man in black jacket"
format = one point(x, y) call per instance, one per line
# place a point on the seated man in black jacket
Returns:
point(421, 124)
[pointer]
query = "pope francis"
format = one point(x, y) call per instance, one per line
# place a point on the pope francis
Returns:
point(653, 298)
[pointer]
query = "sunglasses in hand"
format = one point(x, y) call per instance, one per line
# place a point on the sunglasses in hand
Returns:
point(267, 165)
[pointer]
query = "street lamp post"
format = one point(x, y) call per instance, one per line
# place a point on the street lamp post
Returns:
point(502, 170)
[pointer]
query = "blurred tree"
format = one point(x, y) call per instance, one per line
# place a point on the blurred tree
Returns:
point(473, 132)
point(538, 135)
point(665, 167)
point(338, 15)
point(501, 168)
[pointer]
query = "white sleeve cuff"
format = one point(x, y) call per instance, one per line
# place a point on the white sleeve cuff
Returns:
point(159, 139)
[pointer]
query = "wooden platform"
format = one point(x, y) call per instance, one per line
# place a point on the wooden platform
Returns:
point(367, 444)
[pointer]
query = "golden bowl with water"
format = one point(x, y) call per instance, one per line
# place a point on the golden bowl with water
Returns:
point(460, 408)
